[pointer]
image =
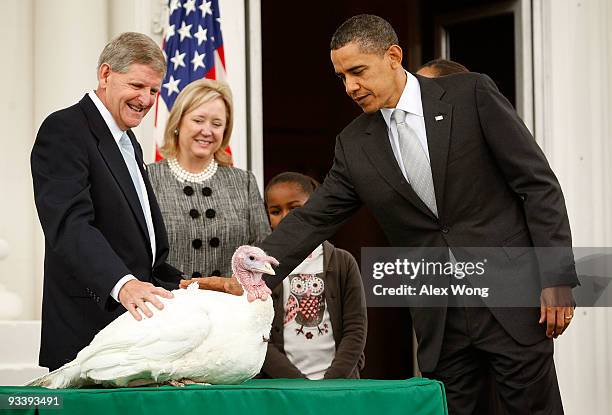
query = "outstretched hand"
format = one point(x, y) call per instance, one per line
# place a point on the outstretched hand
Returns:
point(221, 284)
point(135, 294)
point(556, 309)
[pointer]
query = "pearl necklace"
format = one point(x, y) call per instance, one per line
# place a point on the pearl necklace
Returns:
point(185, 176)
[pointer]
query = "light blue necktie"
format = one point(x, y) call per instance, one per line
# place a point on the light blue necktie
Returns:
point(127, 151)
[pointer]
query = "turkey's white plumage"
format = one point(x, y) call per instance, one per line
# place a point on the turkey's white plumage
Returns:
point(203, 336)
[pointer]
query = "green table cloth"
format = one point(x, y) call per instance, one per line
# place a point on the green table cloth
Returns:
point(258, 396)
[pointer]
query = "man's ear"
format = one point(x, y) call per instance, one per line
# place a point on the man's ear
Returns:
point(394, 53)
point(103, 72)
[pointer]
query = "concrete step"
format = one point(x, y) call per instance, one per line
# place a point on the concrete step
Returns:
point(19, 352)
point(20, 341)
point(19, 375)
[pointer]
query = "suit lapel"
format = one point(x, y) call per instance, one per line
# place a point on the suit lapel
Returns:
point(114, 160)
point(438, 134)
point(378, 149)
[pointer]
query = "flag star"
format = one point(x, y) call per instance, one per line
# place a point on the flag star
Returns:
point(212, 38)
point(189, 7)
point(174, 5)
point(205, 8)
point(219, 20)
point(200, 35)
point(178, 59)
point(172, 85)
point(198, 60)
point(170, 32)
point(184, 31)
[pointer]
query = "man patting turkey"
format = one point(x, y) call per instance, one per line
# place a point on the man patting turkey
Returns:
point(199, 336)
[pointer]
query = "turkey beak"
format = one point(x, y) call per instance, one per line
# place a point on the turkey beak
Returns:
point(266, 269)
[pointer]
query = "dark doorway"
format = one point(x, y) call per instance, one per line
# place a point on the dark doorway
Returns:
point(480, 35)
point(305, 107)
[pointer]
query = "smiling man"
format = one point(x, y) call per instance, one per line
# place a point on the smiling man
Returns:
point(105, 241)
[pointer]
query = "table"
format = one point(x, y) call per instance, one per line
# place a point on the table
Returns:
point(416, 396)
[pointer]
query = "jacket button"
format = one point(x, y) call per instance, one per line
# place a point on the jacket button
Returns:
point(216, 273)
point(207, 191)
point(196, 243)
point(444, 229)
point(188, 190)
point(214, 242)
point(210, 213)
point(194, 213)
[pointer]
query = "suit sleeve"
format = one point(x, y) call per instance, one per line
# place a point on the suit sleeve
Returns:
point(529, 175)
point(60, 172)
point(300, 232)
point(354, 321)
point(259, 226)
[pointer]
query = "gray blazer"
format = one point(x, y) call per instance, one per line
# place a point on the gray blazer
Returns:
point(207, 222)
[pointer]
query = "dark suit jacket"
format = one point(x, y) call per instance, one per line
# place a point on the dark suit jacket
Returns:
point(95, 231)
point(493, 187)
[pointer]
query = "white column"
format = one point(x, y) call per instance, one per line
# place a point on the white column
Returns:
point(255, 117)
point(16, 201)
point(233, 29)
point(573, 52)
point(68, 38)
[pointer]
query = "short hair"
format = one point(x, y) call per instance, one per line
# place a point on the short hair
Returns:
point(445, 67)
point(129, 48)
point(192, 96)
point(306, 183)
point(371, 33)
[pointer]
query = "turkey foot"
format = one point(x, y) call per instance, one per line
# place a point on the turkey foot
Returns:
point(182, 382)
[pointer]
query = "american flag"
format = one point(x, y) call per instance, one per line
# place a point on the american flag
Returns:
point(194, 49)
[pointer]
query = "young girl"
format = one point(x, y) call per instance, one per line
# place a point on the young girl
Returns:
point(320, 322)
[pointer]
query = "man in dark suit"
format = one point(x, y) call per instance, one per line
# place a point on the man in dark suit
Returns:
point(481, 180)
point(105, 241)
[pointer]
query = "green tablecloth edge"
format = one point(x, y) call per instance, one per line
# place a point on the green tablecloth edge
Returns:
point(252, 385)
point(331, 384)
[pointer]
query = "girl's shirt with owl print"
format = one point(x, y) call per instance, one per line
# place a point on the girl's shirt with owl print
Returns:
point(308, 336)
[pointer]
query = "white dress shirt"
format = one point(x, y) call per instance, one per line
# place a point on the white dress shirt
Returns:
point(410, 102)
point(117, 133)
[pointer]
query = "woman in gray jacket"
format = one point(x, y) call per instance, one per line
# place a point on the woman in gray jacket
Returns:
point(209, 207)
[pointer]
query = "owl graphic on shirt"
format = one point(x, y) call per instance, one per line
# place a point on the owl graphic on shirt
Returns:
point(306, 303)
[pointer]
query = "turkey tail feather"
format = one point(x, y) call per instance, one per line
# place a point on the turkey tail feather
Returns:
point(64, 377)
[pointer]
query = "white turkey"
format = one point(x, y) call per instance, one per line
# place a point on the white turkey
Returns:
point(198, 337)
